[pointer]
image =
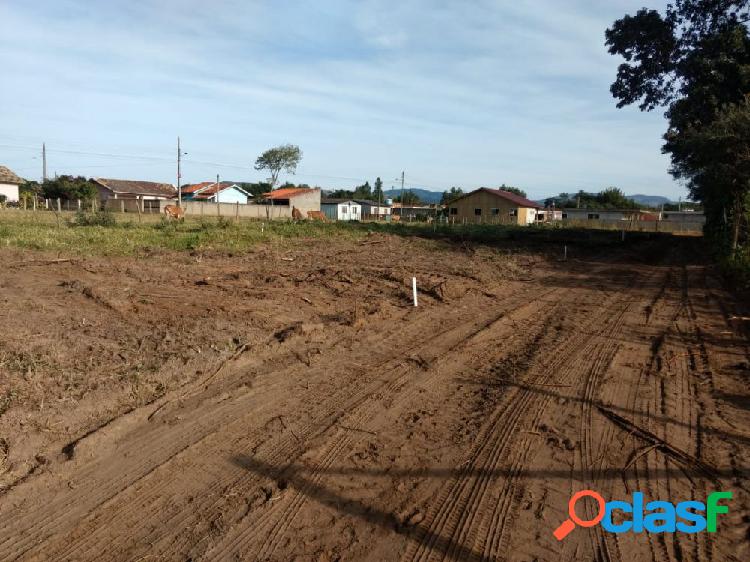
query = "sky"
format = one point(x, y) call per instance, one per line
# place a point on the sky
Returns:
point(454, 93)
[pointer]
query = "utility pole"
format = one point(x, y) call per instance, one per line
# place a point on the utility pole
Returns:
point(218, 205)
point(380, 200)
point(44, 162)
point(179, 175)
point(402, 195)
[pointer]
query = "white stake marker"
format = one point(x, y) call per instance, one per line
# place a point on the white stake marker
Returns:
point(414, 289)
point(565, 256)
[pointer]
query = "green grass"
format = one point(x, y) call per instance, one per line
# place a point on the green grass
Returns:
point(42, 231)
point(126, 235)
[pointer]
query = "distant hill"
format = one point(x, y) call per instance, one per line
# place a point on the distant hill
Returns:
point(650, 200)
point(425, 196)
point(654, 201)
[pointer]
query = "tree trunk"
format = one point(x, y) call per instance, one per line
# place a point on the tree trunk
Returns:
point(736, 222)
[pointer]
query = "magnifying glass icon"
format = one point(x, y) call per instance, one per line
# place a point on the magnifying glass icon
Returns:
point(569, 524)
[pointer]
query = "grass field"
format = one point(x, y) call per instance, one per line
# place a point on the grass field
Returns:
point(128, 235)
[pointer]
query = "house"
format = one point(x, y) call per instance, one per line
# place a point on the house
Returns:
point(635, 215)
point(606, 215)
point(228, 192)
point(341, 209)
point(373, 209)
point(9, 183)
point(684, 217)
point(493, 206)
point(303, 198)
point(125, 194)
point(414, 212)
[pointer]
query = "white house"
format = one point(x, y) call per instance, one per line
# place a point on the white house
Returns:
point(341, 209)
point(224, 192)
point(9, 183)
point(373, 209)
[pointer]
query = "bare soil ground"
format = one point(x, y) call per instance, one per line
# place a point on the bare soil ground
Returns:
point(291, 404)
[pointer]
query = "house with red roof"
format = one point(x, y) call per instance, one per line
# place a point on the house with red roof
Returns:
point(303, 198)
point(212, 192)
point(494, 206)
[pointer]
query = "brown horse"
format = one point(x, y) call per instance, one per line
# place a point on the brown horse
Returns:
point(174, 212)
point(316, 216)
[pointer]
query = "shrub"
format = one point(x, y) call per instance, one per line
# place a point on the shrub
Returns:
point(96, 218)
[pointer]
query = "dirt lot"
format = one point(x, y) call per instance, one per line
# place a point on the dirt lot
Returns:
point(290, 403)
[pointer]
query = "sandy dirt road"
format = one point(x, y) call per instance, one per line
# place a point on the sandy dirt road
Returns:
point(290, 404)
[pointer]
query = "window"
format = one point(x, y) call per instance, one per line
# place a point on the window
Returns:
point(594, 216)
point(454, 210)
point(666, 216)
point(478, 212)
point(494, 212)
point(565, 216)
point(513, 213)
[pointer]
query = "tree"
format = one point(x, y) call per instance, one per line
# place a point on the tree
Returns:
point(510, 189)
point(255, 189)
point(363, 191)
point(409, 198)
point(281, 158)
point(377, 191)
point(69, 188)
point(716, 160)
point(695, 61)
point(451, 195)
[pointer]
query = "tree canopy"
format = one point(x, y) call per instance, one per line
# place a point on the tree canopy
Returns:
point(285, 157)
point(693, 60)
point(409, 198)
point(511, 189)
point(69, 188)
point(610, 198)
point(451, 195)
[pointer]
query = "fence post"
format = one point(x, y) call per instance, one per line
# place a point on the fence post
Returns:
point(79, 205)
point(34, 202)
point(138, 206)
point(59, 205)
point(122, 205)
point(237, 211)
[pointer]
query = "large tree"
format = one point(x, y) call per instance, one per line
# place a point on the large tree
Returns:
point(693, 60)
point(69, 188)
point(281, 158)
point(377, 191)
point(451, 195)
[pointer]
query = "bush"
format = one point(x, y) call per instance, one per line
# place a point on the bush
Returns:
point(736, 269)
point(96, 218)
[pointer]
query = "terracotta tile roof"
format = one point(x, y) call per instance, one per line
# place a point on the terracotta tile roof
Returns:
point(507, 195)
point(207, 188)
point(137, 187)
point(7, 176)
point(513, 198)
point(287, 192)
point(192, 188)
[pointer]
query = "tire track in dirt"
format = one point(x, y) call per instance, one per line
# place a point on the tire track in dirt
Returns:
point(464, 499)
point(280, 523)
point(218, 416)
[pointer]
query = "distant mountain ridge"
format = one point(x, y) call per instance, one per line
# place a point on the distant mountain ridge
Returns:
point(425, 195)
point(650, 200)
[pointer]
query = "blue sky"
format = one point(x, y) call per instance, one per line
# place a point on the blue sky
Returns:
point(455, 93)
